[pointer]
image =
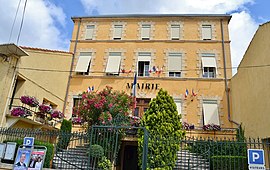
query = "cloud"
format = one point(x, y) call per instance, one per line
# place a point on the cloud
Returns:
point(242, 26)
point(39, 28)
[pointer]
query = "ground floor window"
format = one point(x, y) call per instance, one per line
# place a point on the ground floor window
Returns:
point(141, 106)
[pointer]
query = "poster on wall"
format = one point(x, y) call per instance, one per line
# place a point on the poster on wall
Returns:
point(37, 159)
point(10, 151)
point(22, 159)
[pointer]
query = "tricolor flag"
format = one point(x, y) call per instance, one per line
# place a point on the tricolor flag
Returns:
point(186, 94)
point(134, 85)
point(93, 88)
point(193, 93)
point(89, 89)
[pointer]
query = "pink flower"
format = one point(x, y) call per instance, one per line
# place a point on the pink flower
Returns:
point(110, 105)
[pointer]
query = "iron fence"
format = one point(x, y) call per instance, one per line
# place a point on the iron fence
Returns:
point(94, 148)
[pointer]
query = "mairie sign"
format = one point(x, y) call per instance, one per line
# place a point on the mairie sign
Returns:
point(256, 159)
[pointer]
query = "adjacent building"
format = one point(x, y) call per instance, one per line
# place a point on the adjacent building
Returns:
point(249, 87)
point(43, 74)
point(187, 55)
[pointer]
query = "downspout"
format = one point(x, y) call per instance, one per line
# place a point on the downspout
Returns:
point(225, 76)
point(71, 66)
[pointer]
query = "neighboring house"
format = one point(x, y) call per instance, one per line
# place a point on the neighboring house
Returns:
point(179, 53)
point(9, 56)
point(250, 86)
point(44, 75)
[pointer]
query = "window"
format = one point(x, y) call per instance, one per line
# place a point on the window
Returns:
point(206, 32)
point(117, 32)
point(144, 59)
point(175, 32)
point(210, 112)
point(174, 64)
point(83, 64)
point(76, 103)
point(113, 64)
point(89, 32)
point(209, 65)
point(145, 31)
point(178, 105)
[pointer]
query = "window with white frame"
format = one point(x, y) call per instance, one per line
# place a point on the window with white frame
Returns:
point(145, 31)
point(89, 32)
point(209, 65)
point(207, 32)
point(144, 59)
point(174, 64)
point(117, 32)
point(83, 64)
point(113, 64)
point(210, 112)
point(178, 105)
point(175, 32)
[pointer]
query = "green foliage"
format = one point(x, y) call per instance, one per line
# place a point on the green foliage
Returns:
point(96, 151)
point(105, 164)
point(229, 162)
point(163, 124)
point(49, 153)
point(102, 107)
point(65, 134)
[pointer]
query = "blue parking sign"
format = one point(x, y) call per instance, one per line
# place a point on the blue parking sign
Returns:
point(256, 157)
point(28, 142)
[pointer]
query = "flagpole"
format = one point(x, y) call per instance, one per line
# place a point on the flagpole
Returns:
point(134, 86)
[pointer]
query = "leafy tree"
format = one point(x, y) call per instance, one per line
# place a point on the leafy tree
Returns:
point(104, 106)
point(65, 134)
point(165, 132)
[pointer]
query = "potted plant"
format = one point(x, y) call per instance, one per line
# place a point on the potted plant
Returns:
point(30, 101)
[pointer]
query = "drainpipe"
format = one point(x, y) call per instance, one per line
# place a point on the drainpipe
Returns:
point(225, 76)
point(71, 66)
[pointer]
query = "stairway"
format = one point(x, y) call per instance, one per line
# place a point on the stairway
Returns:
point(71, 158)
point(190, 161)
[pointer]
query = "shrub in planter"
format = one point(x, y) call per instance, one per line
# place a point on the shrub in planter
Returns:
point(65, 134)
point(228, 162)
point(96, 151)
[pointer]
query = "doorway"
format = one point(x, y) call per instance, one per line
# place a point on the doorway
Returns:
point(130, 161)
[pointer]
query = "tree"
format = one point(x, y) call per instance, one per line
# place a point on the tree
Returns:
point(165, 132)
point(105, 107)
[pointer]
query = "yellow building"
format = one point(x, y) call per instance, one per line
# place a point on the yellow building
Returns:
point(43, 74)
point(179, 53)
point(9, 56)
point(249, 87)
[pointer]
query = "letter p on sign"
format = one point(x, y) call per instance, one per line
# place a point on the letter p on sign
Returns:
point(256, 156)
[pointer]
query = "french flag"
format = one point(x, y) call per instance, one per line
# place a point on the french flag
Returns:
point(193, 93)
point(89, 89)
point(186, 94)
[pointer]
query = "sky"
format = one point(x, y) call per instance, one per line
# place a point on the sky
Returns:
point(48, 24)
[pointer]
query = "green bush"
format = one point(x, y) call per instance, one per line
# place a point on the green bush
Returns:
point(65, 134)
point(96, 151)
point(105, 164)
point(49, 153)
point(229, 162)
point(163, 123)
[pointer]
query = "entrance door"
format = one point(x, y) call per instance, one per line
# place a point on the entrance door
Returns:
point(130, 158)
point(141, 106)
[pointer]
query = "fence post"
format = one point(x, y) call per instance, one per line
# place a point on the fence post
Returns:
point(145, 149)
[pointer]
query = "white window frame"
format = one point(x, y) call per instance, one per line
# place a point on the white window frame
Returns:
point(207, 32)
point(90, 31)
point(84, 62)
point(113, 63)
point(144, 57)
point(210, 106)
point(175, 26)
point(116, 28)
point(172, 56)
point(146, 36)
point(209, 61)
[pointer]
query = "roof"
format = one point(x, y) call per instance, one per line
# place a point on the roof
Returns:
point(46, 50)
point(12, 49)
point(152, 15)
